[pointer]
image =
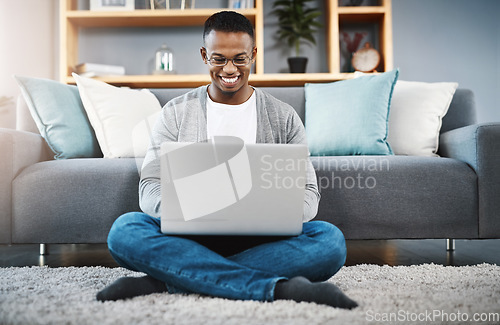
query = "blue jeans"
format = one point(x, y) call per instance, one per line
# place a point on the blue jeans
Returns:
point(242, 268)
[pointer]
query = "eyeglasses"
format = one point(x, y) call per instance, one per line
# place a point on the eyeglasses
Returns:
point(220, 61)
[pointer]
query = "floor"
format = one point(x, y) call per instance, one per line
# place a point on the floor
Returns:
point(391, 252)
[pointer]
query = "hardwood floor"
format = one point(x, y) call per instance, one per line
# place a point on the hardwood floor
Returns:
point(391, 252)
point(414, 252)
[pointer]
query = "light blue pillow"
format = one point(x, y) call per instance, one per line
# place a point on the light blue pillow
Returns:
point(60, 117)
point(350, 117)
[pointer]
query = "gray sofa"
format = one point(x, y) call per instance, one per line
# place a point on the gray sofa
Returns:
point(368, 197)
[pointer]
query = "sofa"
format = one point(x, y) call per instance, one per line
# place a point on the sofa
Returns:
point(453, 195)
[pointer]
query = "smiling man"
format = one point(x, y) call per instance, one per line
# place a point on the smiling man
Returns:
point(244, 268)
point(229, 76)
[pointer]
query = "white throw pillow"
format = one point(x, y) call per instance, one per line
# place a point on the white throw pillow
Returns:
point(115, 112)
point(416, 114)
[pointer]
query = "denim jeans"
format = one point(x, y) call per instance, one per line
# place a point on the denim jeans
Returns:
point(242, 268)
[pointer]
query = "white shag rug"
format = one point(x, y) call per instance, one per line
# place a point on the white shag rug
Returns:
point(404, 294)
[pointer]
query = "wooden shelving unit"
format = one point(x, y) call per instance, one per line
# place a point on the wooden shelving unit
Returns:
point(145, 18)
point(72, 20)
point(338, 16)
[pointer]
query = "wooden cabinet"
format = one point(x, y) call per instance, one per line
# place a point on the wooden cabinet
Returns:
point(72, 20)
point(379, 15)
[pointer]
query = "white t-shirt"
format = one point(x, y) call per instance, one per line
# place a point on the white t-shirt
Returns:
point(233, 120)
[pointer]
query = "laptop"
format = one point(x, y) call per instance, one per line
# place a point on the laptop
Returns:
point(226, 187)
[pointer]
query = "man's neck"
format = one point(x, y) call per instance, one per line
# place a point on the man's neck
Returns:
point(230, 98)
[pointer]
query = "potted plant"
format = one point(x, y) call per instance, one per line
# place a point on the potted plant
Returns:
point(297, 25)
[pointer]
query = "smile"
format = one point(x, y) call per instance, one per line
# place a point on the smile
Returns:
point(230, 80)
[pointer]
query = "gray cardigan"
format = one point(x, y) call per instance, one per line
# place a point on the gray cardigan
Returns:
point(184, 119)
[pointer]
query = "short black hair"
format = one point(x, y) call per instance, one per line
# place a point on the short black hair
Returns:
point(229, 22)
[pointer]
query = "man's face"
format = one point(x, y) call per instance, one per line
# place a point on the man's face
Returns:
point(229, 82)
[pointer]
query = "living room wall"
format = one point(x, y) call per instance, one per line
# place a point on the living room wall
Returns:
point(451, 40)
point(28, 46)
point(434, 40)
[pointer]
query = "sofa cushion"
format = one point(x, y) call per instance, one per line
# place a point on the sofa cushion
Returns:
point(121, 117)
point(72, 201)
point(462, 111)
point(416, 114)
point(386, 197)
point(350, 117)
point(60, 117)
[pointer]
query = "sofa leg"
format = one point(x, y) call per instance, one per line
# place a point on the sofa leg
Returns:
point(450, 244)
point(44, 249)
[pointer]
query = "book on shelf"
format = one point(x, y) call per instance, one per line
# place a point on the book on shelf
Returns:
point(112, 5)
point(241, 4)
point(97, 69)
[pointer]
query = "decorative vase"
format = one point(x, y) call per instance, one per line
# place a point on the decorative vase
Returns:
point(164, 60)
point(297, 64)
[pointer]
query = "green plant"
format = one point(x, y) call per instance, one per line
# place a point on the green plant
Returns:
point(297, 22)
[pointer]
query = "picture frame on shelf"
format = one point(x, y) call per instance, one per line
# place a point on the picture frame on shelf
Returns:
point(112, 5)
point(352, 38)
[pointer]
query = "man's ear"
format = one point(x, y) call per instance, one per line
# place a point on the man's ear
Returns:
point(254, 53)
point(203, 53)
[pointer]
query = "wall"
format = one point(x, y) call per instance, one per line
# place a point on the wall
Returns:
point(451, 40)
point(28, 46)
point(434, 40)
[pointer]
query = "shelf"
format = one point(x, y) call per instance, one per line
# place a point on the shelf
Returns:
point(154, 81)
point(147, 18)
point(361, 10)
point(295, 79)
point(196, 80)
point(72, 21)
point(361, 14)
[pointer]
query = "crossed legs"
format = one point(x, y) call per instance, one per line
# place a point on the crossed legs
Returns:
point(256, 268)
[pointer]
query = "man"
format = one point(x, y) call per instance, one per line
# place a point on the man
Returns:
point(245, 268)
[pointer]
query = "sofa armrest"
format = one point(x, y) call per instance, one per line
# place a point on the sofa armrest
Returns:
point(479, 146)
point(18, 150)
